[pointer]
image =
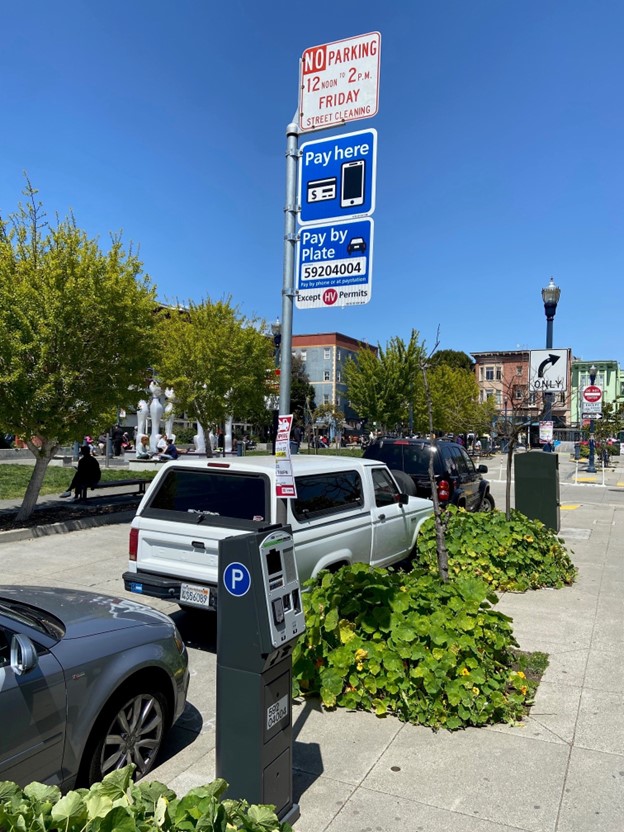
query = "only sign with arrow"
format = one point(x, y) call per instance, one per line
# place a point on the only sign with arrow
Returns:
point(548, 371)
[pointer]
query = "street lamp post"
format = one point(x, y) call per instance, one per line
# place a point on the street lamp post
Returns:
point(550, 296)
point(591, 468)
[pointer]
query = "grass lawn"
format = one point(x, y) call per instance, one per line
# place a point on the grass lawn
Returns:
point(15, 478)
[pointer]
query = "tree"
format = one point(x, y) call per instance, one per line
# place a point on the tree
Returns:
point(381, 386)
point(452, 358)
point(217, 361)
point(455, 399)
point(327, 414)
point(75, 332)
point(301, 391)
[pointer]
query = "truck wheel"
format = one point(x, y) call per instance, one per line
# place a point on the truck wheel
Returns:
point(405, 482)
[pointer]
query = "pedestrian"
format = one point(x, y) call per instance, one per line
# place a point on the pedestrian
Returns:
point(87, 474)
point(161, 445)
point(143, 448)
point(171, 452)
point(295, 440)
point(117, 438)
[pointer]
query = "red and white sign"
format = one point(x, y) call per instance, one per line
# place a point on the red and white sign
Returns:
point(592, 393)
point(284, 477)
point(339, 82)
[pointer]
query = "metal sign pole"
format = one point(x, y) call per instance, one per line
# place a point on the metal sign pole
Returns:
point(290, 242)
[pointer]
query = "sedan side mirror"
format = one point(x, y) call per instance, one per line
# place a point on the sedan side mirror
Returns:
point(23, 654)
point(482, 469)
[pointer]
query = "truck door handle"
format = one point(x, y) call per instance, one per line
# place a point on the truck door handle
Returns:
point(382, 517)
point(198, 544)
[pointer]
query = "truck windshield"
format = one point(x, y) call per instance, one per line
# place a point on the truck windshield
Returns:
point(205, 495)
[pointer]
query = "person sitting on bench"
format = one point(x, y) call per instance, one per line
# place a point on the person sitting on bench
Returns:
point(87, 474)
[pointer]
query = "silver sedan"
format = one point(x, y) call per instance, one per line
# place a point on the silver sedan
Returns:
point(88, 683)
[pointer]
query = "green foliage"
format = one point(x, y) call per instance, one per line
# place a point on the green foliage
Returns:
point(406, 644)
point(119, 805)
point(301, 391)
point(216, 360)
point(453, 358)
point(513, 555)
point(75, 327)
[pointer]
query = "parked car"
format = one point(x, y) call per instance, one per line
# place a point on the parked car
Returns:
point(88, 683)
point(459, 481)
point(347, 510)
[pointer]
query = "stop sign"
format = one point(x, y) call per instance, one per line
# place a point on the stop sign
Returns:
point(592, 393)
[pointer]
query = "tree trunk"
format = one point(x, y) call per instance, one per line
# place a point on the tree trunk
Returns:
point(43, 455)
point(510, 450)
point(441, 549)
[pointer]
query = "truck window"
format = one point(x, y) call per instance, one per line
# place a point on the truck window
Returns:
point(321, 494)
point(212, 495)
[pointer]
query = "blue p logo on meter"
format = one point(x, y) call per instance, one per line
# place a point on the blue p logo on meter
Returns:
point(236, 579)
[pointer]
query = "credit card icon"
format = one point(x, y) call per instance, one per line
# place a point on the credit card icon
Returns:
point(321, 190)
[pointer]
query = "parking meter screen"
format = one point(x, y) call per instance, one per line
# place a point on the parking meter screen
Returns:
point(274, 562)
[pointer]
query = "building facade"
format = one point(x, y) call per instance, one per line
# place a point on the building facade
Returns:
point(325, 355)
point(504, 376)
point(608, 376)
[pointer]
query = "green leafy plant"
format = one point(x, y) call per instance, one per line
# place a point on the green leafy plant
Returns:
point(117, 804)
point(513, 555)
point(407, 644)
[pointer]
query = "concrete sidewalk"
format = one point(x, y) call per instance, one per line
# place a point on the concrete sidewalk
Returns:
point(562, 770)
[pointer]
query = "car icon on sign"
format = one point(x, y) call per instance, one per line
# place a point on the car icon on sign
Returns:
point(356, 244)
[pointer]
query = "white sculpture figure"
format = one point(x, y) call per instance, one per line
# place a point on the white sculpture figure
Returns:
point(199, 440)
point(156, 412)
point(212, 440)
point(142, 414)
point(169, 408)
point(228, 435)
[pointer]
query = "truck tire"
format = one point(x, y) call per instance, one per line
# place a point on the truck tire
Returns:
point(405, 482)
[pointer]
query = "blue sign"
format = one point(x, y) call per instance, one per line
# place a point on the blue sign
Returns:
point(334, 264)
point(337, 177)
point(236, 579)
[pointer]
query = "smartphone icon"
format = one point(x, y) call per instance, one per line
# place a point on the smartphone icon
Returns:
point(352, 185)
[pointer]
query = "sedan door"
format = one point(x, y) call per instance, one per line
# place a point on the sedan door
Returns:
point(32, 704)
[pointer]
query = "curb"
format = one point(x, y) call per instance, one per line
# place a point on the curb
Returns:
point(14, 535)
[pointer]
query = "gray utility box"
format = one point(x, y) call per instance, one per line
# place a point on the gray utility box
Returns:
point(259, 619)
point(536, 476)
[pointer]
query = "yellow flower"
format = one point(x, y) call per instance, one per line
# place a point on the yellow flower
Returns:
point(476, 691)
point(521, 674)
point(403, 589)
point(360, 654)
point(528, 538)
point(523, 690)
point(465, 671)
point(360, 666)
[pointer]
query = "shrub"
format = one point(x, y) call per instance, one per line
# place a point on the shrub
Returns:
point(119, 805)
point(432, 653)
point(513, 555)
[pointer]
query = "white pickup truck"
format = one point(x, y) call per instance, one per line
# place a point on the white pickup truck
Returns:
point(347, 510)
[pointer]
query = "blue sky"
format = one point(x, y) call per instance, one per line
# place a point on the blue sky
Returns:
point(501, 137)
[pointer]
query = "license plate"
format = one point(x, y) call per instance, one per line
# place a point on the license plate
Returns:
point(134, 587)
point(197, 596)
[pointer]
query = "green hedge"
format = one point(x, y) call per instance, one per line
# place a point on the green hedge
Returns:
point(513, 555)
point(406, 644)
point(119, 805)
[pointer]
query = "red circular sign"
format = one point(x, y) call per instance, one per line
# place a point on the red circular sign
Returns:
point(592, 393)
point(330, 296)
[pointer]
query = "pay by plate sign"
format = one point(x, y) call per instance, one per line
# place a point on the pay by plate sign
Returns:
point(339, 82)
point(335, 264)
point(284, 477)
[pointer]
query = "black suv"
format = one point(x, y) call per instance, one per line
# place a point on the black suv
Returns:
point(459, 481)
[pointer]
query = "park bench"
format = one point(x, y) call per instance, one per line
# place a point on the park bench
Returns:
point(132, 486)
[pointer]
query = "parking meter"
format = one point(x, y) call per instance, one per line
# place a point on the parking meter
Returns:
point(259, 619)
